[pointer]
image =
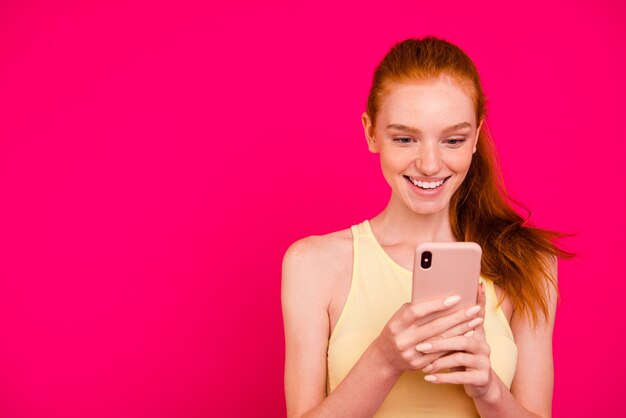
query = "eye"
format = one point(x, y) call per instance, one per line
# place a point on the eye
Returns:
point(455, 141)
point(403, 140)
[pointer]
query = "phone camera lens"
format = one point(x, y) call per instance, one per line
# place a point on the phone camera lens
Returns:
point(426, 260)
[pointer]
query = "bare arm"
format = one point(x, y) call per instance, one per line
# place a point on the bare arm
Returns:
point(532, 387)
point(304, 302)
point(305, 297)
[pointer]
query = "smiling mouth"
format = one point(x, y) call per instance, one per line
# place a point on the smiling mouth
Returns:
point(426, 185)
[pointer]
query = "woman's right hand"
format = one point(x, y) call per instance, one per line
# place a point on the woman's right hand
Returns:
point(398, 340)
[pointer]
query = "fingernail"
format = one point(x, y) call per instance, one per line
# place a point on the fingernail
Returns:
point(423, 346)
point(428, 368)
point(430, 378)
point(473, 310)
point(475, 322)
point(452, 300)
point(469, 333)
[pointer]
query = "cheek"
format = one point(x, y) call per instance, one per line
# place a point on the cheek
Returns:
point(460, 162)
point(392, 164)
point(394, 159)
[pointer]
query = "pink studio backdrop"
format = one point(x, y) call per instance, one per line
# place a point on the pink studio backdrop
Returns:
point(158, 159)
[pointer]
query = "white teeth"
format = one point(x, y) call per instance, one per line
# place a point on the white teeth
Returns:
point(426, 184)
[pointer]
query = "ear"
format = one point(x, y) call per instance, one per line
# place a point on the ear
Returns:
point(372, 145)
point(477, 134)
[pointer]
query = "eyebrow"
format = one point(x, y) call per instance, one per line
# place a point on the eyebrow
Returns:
point(417, 131)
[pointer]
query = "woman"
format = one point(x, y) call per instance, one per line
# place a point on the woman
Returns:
point(352, 346)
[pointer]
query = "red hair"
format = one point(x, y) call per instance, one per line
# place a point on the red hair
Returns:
point(516, 255)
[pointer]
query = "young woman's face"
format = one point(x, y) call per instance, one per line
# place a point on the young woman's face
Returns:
point(426, 134)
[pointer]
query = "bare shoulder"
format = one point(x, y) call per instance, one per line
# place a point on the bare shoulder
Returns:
point(507, 304)
point(312, 265)
point(522, 323)
point(323, 252)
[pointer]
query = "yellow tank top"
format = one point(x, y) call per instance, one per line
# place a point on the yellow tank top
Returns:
point(379, 287)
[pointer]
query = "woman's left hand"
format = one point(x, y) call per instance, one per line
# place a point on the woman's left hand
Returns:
point(468, 360)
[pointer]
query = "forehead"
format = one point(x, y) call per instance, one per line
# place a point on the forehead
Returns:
point(426, 103)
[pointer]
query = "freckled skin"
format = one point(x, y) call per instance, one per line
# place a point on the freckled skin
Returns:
point(430, 107)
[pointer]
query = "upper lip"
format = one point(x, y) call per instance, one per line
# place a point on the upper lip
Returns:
point(427, 179)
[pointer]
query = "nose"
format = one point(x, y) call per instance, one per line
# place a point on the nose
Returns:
point(429, 159)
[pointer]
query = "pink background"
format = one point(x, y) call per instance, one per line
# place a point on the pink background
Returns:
point(157, 160)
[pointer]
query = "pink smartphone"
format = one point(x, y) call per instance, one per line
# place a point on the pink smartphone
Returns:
point(442, 269)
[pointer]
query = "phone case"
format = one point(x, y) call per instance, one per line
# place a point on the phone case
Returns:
point(454, 270)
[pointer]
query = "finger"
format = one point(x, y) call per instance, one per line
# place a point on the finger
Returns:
point(462, 321)
point(459, 343)
point(411, 312)
point(481, 300)
point(480, 295)
point(418, 361)
point(459, 359)
point(406, 338)
point(460, 329)
point(473, 377)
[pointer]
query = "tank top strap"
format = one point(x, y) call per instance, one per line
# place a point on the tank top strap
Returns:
point(360, 229)
point(369, 244)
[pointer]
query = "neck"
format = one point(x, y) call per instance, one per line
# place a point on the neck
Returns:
point(400, 224)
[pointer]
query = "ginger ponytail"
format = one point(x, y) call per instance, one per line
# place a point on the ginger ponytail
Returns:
point(516, 255)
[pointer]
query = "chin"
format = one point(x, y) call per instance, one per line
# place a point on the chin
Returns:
point(429, 209)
